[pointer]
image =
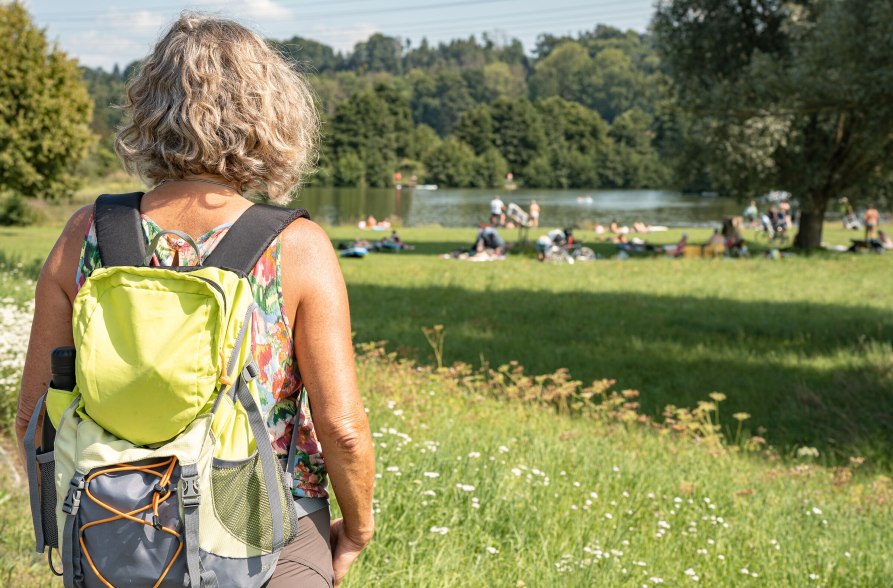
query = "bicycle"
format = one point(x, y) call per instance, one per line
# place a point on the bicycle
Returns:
point(561, 254)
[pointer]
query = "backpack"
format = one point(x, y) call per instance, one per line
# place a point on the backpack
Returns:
point(162, 472)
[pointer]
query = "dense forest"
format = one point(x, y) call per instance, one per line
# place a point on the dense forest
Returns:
point(591, 111)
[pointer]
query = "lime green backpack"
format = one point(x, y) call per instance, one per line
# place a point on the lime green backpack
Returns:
point(162, 471)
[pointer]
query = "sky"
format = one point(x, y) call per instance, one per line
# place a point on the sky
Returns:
point(101, 33)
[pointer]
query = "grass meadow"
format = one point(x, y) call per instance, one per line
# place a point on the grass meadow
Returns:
point(490, 476)
point(803, 344)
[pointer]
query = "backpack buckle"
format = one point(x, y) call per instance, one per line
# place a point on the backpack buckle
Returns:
point(190, 497)
point(73, 498)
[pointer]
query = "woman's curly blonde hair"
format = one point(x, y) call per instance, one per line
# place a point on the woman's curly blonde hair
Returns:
point(214, 98)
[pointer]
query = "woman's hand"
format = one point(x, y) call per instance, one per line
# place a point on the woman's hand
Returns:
point(344, 550)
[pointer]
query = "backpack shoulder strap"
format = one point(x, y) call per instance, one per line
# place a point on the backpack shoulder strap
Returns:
point(119, 230)
point(250, 236)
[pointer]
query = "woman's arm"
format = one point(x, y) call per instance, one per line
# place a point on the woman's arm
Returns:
point(314, 287)
point(51, 326)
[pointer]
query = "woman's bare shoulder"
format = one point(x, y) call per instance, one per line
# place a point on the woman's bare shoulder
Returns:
point(309, 266)
point(306, 244)
point(79, 222)
point(61, 264)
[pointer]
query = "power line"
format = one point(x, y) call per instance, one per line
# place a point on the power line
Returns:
point(126, 17)
point(509, 26)
point(580, 12)
point(585, 10)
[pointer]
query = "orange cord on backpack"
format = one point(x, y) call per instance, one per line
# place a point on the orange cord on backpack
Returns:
point(157, 499)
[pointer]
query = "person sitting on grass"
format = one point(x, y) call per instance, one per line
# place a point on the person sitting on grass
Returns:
point(716, 244)
point(488, 242)
point(392, 243)
point(543, 245)
point(679, 248)
point(766, 224)
point(751, 213)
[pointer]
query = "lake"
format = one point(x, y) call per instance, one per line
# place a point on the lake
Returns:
point(469, 207)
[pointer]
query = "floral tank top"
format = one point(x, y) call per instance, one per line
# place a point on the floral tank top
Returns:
point(282, 394)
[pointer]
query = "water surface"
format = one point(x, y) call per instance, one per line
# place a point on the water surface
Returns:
point(469, 207)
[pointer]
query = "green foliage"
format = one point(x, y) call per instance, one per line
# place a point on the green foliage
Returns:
point(475, 128)
point(567, 72)
point(452, 163)
point(638, 160)
point(424, 141)
point(350, 170)
point(378, 53)
point(375, 127)
point(518, 131)
point(44, 110)
point(16, 212)
point(309, 54)
point(791, 96)
point(577, 146)
point(544, 119)
point(489, 170)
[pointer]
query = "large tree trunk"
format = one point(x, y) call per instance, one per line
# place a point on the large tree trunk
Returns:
point(812, 220)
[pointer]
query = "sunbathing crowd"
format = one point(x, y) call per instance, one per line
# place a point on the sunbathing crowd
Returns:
point(560, 244)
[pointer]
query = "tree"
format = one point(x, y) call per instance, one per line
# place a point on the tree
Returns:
point(618, 85)
point(475, 128)
point(424, 141)
point(577, 144)
point(376, 127)
point(452, 163)
point(517, 131)
point(786, 95)
point(309, 54)
point(567, 72)
point(489, 170)
point(378, 53)
point(438, 101)
point(44, 111)
point(501, 79)
point(638, 161)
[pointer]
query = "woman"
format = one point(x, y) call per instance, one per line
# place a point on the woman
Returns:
point(212, 113)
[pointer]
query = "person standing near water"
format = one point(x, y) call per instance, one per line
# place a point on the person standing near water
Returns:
point(497, 211)
point(534, 214)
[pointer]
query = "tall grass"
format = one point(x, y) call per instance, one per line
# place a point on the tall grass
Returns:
point(508, 485)
point(474, 491)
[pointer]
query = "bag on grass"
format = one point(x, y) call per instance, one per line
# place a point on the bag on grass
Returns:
point(162, 473)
